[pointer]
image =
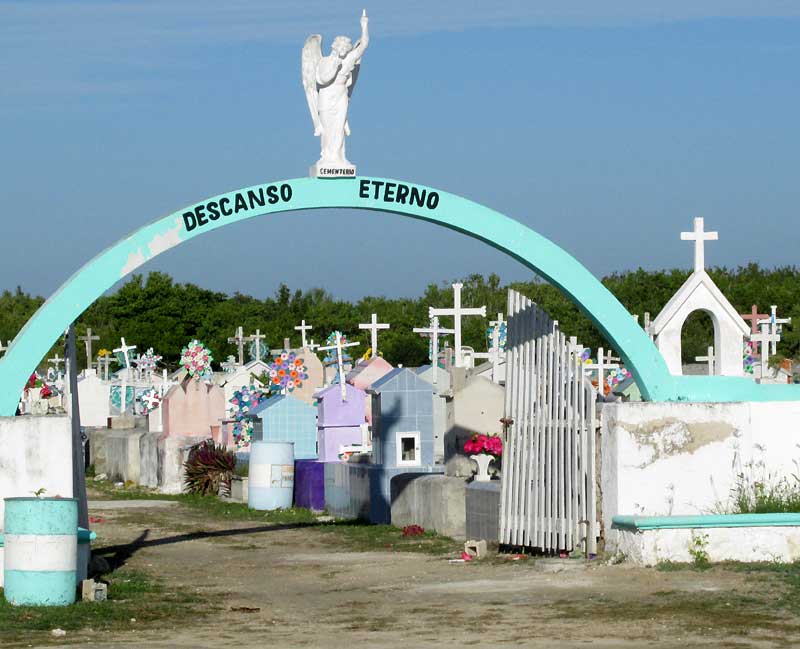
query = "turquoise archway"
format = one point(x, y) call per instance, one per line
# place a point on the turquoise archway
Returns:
point(535, 251)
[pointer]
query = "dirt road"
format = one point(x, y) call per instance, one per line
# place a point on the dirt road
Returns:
point(293, 587)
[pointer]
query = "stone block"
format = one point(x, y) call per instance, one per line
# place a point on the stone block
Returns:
point(173, 451)
point(97, 448)
point(239, 488)
point(483, 510)
point(122, 422)
point(123, 455)
point(435, 502)
point(148, 459)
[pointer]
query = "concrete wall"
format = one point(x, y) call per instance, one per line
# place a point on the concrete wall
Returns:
point(35, 453)
point(661, 459)
point(93, 396)
point(748, 544)
point(483, 510)
point(435, 502)
point(360, 490)
point(476, 407)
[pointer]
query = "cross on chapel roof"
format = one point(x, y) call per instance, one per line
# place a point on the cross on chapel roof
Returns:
point(699, 236)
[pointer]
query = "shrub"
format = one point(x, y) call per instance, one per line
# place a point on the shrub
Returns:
point(208, 468)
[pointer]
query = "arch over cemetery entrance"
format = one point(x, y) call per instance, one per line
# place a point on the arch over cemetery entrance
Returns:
point(384, 195)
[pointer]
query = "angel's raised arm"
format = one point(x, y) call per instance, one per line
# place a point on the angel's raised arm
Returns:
point(358, 51)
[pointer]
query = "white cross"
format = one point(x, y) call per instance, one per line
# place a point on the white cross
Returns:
point(57, 362)
point(302, 328)
point(775, 326)
point(457, 312)
point(105, 360)
point(765, 337)
point(257, 337)
point(494, 352)
point(433, 332)
point(124, 348)
point(339, 346)
point(312, 346)
point(238, 340)
point(151, 400)
point(88, 339)
point(229, 366)
point(710, 359)
point(699, 236)
point(373, 326)
point(601, 366)
point(610, 358)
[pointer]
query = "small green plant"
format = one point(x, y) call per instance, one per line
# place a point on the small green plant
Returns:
point(209, 469)
point(698, 549)
point(242, 470)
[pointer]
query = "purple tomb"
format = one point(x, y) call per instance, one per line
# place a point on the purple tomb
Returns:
point(309, 484)
point(339, 421)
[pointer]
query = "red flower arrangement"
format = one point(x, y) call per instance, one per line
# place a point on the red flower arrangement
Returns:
point(489, 444)
point(413, 530)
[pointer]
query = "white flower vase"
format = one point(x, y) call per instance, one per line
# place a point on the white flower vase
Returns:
point(483, 460)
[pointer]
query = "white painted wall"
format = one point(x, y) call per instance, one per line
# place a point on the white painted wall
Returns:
point(93, 397)
point(35, 453)
point(661, 459)
point(747, 544)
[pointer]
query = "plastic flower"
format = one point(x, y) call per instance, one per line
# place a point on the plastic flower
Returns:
point(243, 400)
point(196, 360)
point(287, 372)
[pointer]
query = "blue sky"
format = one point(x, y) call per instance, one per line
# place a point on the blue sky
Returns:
point(604, 126)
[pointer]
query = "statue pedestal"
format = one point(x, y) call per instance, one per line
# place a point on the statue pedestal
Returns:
point(324, 170)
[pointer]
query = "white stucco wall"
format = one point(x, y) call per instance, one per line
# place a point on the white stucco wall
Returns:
point(661, 459)
point(93, 397)
point(35, 453)
point(747, 544)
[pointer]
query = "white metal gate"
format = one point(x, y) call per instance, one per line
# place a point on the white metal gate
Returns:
point(547, 498)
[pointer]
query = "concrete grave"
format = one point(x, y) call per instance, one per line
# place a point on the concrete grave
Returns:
point(193, 408)
point(284, 418)
point(94, 399)
point(340, 421)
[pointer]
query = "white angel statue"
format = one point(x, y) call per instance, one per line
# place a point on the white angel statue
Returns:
point(328, 82)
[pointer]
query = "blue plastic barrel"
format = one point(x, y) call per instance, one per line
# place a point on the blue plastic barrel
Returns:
point(41, 551)
point(271, 483)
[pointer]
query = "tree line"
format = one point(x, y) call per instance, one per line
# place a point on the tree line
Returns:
point(154, 311)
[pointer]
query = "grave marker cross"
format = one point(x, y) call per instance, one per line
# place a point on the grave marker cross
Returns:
point(601, 366)
point(302, 328)
point(710, 359)
point(433, 332)
point(238, 340)
point(124, 349)
point(105, 359)
point(257, 337)
point(765, 338)
point(775, 326)
point(57, 362)
point(754, 316)
point(373, 326)
point(699, 236)
point(88, 339)
point(458, 312)
point(339, 347)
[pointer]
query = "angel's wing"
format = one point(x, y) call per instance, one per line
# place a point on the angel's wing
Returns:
point(312, 53)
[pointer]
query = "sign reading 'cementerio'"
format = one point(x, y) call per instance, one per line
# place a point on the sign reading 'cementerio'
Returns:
point(242, 201)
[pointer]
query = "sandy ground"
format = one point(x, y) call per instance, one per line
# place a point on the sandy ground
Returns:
point(309, 593)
